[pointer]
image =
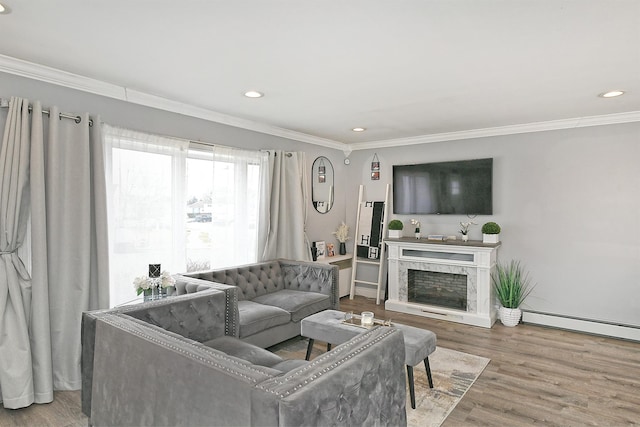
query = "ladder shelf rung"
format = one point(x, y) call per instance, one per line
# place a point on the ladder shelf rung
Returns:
point(368, 261)
point(366, 282)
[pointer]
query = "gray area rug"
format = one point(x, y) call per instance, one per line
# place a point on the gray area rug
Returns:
point(453, 374)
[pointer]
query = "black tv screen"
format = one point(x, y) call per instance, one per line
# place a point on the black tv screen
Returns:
point(460, 188)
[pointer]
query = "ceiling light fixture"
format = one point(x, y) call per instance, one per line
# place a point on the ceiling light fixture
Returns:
point(2, 8)
point(611, 94)
point(253, 94)
point(358, 129)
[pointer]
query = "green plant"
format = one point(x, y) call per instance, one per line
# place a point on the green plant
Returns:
point(396, 224)
point(490, 228)
point(511, 283)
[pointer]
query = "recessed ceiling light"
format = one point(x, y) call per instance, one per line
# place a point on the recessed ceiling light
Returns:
point(253, 94)
point(4, 9)
point(611, 94)
point(1, 8)
point(358, 129)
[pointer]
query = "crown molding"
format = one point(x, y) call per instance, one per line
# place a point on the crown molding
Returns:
point(142, 98)
point(58, 77)
point(578, 122)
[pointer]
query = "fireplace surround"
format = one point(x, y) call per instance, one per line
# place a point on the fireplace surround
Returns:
point(449, 280)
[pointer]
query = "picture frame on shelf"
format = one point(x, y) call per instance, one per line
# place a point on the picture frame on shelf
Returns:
point(321, 250)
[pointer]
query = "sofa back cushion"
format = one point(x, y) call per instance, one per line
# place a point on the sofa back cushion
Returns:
point(199, 316)
point(252, 280)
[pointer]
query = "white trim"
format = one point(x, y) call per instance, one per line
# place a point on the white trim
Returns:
point(74, 81)
point(582, 325)
point(61, 78)
point(578, 122)
point(58, 77)
point(154, 101)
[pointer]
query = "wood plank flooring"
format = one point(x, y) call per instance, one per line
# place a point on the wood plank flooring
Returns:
point(537, 376)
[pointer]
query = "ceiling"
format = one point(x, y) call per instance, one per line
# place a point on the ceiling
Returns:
point(404, 70)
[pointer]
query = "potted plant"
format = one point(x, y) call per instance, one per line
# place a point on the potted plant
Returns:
point(490, 232)
point(417, 230)
point(464, 229)
point(395, 229)
point(512, 286)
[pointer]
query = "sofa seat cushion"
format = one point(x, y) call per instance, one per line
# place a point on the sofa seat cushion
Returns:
point(299, 303)
point(245, 351)
point(254, 317)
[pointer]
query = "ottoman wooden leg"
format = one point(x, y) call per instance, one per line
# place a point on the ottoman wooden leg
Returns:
point(309, 347)
point(412, 392)
point(328, 346)
point(428, 368)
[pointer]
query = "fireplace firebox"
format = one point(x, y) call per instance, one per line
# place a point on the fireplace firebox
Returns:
point(437, 289)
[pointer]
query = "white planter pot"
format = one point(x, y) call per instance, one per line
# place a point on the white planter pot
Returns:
point(465, 237)
point(509, 316)
point(395, 234)
point(490, 238)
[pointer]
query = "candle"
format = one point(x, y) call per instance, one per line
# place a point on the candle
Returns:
point(367, 318)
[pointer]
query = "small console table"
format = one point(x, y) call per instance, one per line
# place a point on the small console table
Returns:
point(414, 290)
point(344, 264)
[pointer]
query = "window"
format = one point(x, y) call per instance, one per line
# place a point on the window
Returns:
point(184, 207)
point(224, 189)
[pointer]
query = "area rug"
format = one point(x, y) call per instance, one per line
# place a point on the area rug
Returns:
point(453, 373)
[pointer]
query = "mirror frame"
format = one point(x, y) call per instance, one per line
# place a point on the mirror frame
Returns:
point(322, 178)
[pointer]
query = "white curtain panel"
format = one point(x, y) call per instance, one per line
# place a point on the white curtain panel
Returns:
point(287, 208)
point(239, 183)
point(53, 168)
point(147, 206)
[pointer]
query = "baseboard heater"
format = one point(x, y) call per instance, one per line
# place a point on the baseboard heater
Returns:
point(595, 327)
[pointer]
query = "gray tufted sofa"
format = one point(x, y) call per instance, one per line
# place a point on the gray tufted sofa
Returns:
point(272, 297)
point(169, 362)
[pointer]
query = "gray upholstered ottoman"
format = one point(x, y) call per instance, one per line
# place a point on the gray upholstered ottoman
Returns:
point(327, 326)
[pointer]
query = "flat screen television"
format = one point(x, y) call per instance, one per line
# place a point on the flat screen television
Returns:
point(461, 188)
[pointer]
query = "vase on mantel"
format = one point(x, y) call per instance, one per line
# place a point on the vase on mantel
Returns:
point(343, 248)
point(465, 237)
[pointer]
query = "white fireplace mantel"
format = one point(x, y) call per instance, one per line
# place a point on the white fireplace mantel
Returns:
point(474, 259)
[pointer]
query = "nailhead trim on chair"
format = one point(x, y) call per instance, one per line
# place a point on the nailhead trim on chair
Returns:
point(346, 347)
point(121, 322)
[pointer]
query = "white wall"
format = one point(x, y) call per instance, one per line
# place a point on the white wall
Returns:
point(569, 205)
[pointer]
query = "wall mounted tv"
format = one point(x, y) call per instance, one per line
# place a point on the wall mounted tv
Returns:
point(460, 188)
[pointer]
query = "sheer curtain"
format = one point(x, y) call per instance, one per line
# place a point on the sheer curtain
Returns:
point(226, 187)
point(146, 189)
point(287, 207)
point(52, 178)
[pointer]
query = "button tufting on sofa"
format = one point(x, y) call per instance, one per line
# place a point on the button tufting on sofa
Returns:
point(261, 282)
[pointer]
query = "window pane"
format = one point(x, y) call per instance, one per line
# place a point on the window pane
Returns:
point(142, 227)
point(222, 212)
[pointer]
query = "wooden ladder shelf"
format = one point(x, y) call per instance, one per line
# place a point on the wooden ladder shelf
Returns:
point(378, 262)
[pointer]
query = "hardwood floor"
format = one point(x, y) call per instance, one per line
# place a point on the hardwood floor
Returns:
point(537, 376)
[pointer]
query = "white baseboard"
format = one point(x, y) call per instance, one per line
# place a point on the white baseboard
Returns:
point(582, 325)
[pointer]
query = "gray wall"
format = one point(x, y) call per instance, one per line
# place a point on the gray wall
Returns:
point(131, 116)
point(568, 201)
point(569, 205)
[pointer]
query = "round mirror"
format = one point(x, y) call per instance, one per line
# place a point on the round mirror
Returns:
point(322, 184)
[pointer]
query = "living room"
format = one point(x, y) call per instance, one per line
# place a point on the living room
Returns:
point(564, 186)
